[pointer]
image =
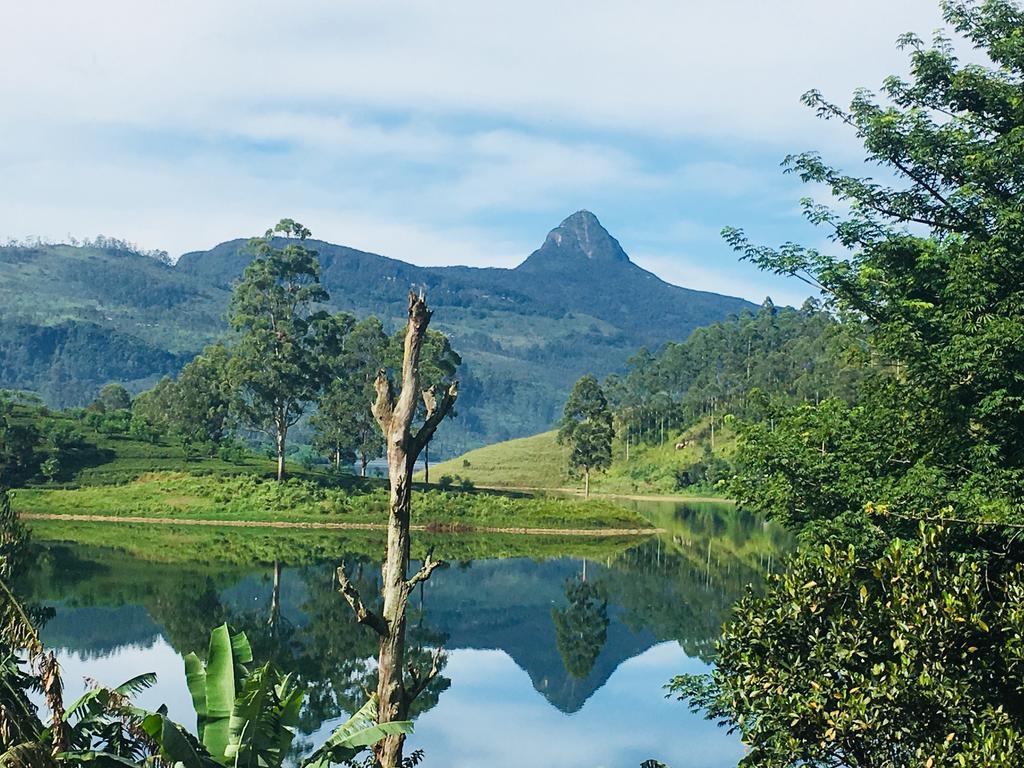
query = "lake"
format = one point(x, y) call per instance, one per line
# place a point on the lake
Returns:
point(558, 650)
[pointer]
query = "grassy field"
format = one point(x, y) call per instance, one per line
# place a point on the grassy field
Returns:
point(179, 495)
point(540, 462)
point(123, 476)
point(527, 462)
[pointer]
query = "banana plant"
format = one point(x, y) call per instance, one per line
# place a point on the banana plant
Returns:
point(248, 718)
point(215, 686)
point(351, 737)
point(101, 727)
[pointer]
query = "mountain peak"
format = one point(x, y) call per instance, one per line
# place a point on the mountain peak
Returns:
point(578, 238)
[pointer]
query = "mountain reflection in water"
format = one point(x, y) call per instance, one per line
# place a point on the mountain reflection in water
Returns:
point(556, 656)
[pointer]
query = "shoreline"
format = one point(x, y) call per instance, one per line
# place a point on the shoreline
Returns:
point(433, 528)
point(608, 495)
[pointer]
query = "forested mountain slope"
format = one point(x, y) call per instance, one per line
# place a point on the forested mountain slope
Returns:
point(575, 305)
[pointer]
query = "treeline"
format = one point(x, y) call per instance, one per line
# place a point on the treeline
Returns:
point(743, 368)
point(101, 242)
point(789, 355)
point(286, 359)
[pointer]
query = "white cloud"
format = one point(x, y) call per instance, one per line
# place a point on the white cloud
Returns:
point(721, 69)
point(430, 132)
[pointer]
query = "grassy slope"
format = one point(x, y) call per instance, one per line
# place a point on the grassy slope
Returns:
point(539, 462)
point(127, 477)
point(527, 462)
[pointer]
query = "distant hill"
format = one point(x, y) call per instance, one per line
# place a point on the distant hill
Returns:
point(577, 304)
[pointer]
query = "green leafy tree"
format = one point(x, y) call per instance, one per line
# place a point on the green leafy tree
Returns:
point(912, 658)
point(19, 447)
point(586, 427)
point(930, 258)
point(335, 433)
point(201, 400)
point(281, 360)
point(112, 397)
point(882, 646)
point(344, 426)
point(155, 406)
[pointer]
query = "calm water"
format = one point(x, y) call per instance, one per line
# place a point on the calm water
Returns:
point(557, 651)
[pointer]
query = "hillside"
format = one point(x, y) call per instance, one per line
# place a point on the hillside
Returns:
point(539, 461)
point(577, 304)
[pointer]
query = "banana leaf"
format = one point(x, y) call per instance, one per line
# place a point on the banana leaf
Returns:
point(351, 737)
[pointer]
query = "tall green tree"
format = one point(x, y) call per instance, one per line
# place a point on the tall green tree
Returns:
point(201, 403)
point(343, 422)
point(281, 360)
point(195, 408)
point(586, 427)
point(19, 447)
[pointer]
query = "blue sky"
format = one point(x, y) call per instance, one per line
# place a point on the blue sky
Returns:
point(438, 133)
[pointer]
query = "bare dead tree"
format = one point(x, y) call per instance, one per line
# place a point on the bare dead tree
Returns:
point(398, 683)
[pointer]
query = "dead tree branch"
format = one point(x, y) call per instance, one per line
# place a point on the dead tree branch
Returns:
point(383, 407)
point(437, 409)
point(429, 566)
point(363, 614)
point(420, 680)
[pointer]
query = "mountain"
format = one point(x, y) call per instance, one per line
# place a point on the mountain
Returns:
point(576, 305)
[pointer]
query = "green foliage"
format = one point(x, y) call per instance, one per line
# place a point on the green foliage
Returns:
point(200, 400)
point(104, 729)
point(791, 356)
point(586, 427)
point(13, 538)
point(880, 646)
point(343, 425)
point(349, 738)
point(912, 658)
point(250, 717)
point(19, 443)
point(112, 397)
point(933, 254)
point(216, 685)
point(247, 718)
point(286, 343)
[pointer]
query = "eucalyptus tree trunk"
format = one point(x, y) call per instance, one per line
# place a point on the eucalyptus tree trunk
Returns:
point(280, 436)
point(396, 690)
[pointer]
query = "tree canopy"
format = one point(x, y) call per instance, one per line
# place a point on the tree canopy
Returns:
point(890, 642)
point(586, 427)
point(281, 360)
